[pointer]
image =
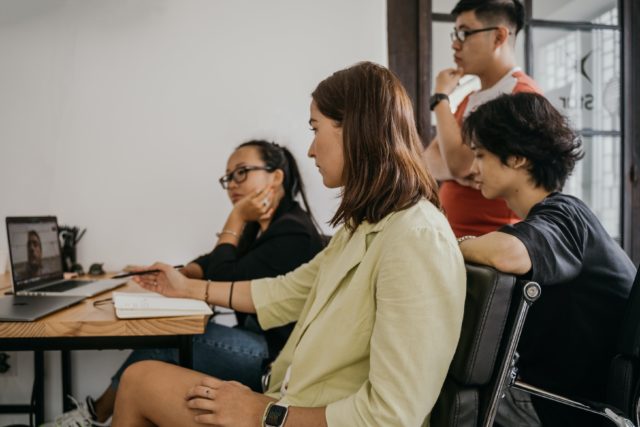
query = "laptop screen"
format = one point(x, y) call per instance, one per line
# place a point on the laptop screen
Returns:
point(34, 250)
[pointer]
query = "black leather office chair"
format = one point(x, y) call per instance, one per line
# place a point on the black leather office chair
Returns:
point(494, 312)
point(485, 361)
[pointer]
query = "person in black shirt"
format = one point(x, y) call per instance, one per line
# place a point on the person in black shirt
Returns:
point(524, 151)
point(266, 234)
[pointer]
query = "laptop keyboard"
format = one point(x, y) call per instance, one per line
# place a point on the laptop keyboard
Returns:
point(64, 286)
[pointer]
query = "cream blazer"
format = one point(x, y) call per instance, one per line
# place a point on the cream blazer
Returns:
point(379, 315)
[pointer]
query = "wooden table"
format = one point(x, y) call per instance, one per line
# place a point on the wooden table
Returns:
point(88, 327)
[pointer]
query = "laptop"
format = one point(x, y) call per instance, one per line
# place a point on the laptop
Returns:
point(29, 308)
point(36, 261)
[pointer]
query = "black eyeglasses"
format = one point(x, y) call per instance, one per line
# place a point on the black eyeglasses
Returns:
point(461, 35)
point(239, 175)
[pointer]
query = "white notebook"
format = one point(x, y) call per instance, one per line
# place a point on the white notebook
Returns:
point(148, 304)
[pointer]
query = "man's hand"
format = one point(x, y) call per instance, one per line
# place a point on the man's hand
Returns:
point(447, 80)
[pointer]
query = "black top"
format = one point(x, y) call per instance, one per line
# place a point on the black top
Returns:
point(570, 333)
point(290, 241)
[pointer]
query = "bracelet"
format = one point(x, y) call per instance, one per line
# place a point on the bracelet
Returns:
point(266, 411)
point(233, 233)
point(463, 238)
point(231, 294)
point(206, 291)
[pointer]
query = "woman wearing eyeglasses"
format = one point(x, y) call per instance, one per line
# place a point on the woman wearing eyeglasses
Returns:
point(266, 234)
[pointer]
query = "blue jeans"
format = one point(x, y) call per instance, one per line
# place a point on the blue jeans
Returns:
point(227, 353)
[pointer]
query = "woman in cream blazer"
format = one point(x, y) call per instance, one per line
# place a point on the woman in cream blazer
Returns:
point(378, 311)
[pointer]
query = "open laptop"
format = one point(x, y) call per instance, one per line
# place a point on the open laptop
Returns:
point(36, 261)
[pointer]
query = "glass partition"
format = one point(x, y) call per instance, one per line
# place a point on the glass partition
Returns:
point(579, 72)
point(575, 10)
point(596, 180)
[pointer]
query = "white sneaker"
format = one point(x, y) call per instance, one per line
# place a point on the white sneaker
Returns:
point(79, 417)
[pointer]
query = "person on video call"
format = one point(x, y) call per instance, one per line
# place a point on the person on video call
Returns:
point(378, 311)
point(34, 266)
point(266, 234)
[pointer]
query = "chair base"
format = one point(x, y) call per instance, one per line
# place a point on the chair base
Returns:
point(609, 412)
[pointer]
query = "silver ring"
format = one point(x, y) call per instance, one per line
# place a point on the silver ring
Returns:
point(265, 202)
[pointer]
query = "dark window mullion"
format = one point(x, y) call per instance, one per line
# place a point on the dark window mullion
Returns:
point(528, 40)
point(569, 25)
point(442, 17)
point(592, 132)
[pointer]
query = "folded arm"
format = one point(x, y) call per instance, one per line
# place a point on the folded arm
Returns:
point(501, 251)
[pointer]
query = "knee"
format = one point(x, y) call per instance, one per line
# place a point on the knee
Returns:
point(137, 375)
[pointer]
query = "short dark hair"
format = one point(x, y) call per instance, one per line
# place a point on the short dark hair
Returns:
point(526, 125)
point(383, 171)
point(510, 12)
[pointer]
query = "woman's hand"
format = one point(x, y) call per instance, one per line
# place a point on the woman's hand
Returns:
point(226, 403)
point(167, 281)
point(256, 206)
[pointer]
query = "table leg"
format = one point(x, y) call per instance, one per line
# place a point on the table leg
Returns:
point(186, 351)
point(38, 385)
point(65, 358)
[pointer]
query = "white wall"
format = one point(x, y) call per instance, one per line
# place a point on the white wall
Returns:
point(118, 116)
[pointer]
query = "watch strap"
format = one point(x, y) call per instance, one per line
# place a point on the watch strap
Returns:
point(263, 423)
point(436, 98)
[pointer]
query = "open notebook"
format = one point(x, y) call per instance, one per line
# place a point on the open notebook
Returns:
point(140, 305)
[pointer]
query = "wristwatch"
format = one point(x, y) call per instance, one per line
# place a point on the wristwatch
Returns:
point(275, 415)
point(436, 98)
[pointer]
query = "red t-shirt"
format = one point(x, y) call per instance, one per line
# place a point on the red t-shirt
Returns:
point(468, 212)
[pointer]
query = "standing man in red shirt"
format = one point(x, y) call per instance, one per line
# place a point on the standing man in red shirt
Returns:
point(483, 42)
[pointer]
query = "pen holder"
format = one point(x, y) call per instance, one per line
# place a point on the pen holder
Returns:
point(69, 238)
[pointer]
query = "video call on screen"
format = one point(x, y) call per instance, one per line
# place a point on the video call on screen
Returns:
point(35, 251)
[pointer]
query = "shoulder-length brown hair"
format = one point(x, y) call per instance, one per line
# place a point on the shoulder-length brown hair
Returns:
point(383, 171)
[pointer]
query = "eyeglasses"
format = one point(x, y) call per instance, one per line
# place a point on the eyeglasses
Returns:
point(461, 35)
point(239, 175)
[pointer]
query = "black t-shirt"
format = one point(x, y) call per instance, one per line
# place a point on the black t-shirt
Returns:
point(569, 336)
